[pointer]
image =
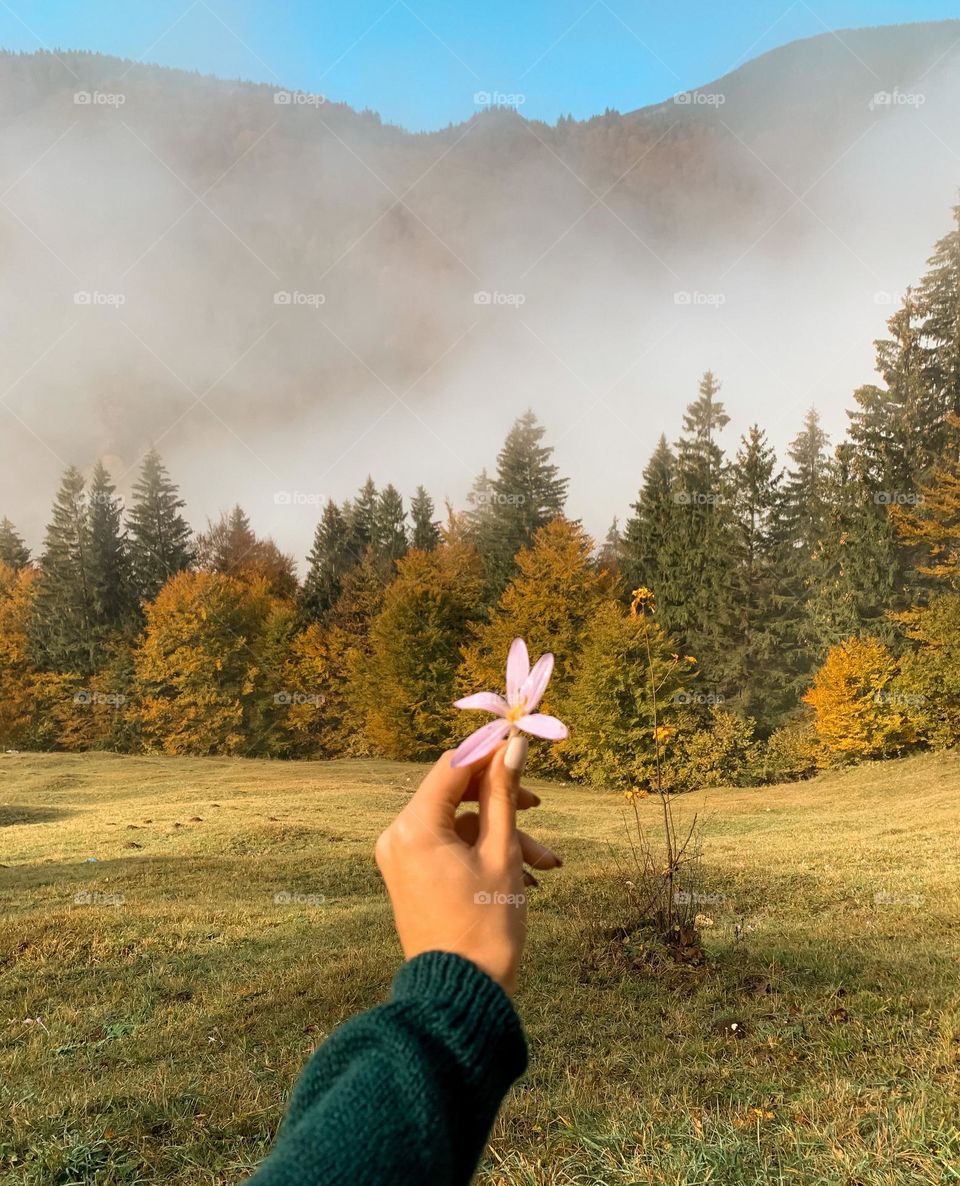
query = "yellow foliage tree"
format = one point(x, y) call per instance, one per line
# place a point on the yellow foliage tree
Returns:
point(199, 680)
point(33, 704)
point(550, 601)
point(406, 685)
point(857, 713)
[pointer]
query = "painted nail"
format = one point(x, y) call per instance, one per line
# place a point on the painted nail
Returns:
point(516, 754)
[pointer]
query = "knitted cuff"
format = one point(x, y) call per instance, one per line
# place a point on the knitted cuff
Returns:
point(478, 1017)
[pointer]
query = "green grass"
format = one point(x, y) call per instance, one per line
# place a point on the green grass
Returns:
point(174, 1023)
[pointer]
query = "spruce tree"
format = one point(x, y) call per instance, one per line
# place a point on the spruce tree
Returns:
point(938, 310)
point(649, 528)
point(13, 551)
point(389, 531)
point(362, 520)
point(526, 494)
point(329, 561)
point(755, 667)
point(63, 630)
point(111, 587)
point(426, 530)
point(804, 552)
point(160, 538)
point(695, 595)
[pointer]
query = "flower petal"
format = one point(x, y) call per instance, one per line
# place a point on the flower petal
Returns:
point(541, 725)
point(480, 743)
point(536, 682)
point(487, 701)
point(518, 668)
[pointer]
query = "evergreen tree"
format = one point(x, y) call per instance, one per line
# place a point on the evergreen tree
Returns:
point(329, 561)
point(804, 555)
point(361, 517)
point(14, 553)
point(525, 495)
point(111, 587)
point(389, 531)
point(897, 430)
point(426, 530)
point(695, 596)
point(160, 538)
point(650, 527)
point(755, 666)
point(63, 629)
point(938, 310)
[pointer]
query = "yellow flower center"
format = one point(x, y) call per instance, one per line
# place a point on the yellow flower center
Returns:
point(519, 710)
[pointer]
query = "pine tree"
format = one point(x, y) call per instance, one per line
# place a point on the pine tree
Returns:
point(329, 561)
point(426, 530)
point(160, 538)
point(897, 430)
point(63, 630)
point(755, 666)
point(938, 310)
point(361, 517)
point(525, 495)
point(13, 551)
point(111, 588)
point(695, 595)
point(804, 554)
point(389, 531)
point(650, 526)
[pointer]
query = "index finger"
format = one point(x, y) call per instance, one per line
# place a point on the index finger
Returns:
point(437, 798)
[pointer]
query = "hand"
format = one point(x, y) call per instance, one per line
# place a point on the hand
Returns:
point(457, 883)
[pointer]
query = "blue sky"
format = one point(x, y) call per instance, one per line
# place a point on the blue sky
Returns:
point(420, 63)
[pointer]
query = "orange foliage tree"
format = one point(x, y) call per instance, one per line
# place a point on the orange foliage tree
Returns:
point(202, 680)
point(857, 712)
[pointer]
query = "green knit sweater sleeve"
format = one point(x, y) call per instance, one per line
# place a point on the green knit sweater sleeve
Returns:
point(406, 1092)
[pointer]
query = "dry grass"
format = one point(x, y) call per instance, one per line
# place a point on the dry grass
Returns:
point(172, 1024)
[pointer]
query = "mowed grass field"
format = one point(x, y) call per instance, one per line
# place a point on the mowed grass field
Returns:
point(157, 1002)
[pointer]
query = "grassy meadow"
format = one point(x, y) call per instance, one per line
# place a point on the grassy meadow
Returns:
point(157, 1002)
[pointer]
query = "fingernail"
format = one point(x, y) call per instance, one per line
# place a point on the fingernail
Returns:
point(516, 753)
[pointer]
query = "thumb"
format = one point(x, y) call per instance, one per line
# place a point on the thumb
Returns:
point(497, 796)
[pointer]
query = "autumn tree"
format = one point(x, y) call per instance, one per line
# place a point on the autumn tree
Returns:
point(548, 603)
point(857, 714)
point(407, 684)
point(231, 547)
point(199, 678)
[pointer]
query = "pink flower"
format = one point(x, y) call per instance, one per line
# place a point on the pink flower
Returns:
point(525, 689)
